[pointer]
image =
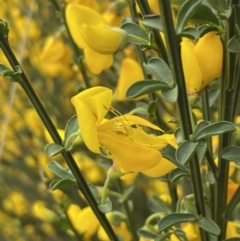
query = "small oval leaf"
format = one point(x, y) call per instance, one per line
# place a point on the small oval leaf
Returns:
point(187, 10)
point(171, 95)
point(175, 218)
point(105, 207)
point(61, 183)
point(216, 128)
point(177, 174)
point(146, 234)
point(71, 127)
point(209, 226)
point(231, 153)
point(136, 34)
point(144, 87)
point(160, 70)
point(234, 45)
point(185, 151)
point(56, 168)
point(53, 149)
point(153, 21)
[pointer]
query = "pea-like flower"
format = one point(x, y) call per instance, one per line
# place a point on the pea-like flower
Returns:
point(130, 147)
point(202, 62)
point(90, 32)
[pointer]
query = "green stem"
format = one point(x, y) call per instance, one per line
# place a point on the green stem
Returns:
point(145, 10)
point(131, 220)
point(57, 139)
point(143, 59)
point(227, 112)
point(105, 190)
point(182, 103)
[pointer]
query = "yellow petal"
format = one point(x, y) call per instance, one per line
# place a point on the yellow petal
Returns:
point(191, 69)
point(130, 73)
point(87, 222)
point(209, 54)
point(97, 62)
point(78, 14)
point(127, 154)
point(102, 40)
point(53, 50)
point(162, 168)
point(127, 120)
point(90, 109)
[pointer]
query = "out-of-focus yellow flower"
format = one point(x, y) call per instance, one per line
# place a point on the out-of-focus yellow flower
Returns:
point(87, 26)
point(120, 229)
point(84, 220)
point(130, 73)
point(233, 229)
point(55, 57)
point(191, 230)
point(232, 187)
point(16, 203)
point(202, 63)
point(40, 211)
point(116, 136)
point(116, 12)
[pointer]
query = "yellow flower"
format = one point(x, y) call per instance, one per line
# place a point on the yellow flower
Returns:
point(89, 31)
point(130, 73)
point(131, 148)
point(202, 63)
point(232, 229)
point(84, 220)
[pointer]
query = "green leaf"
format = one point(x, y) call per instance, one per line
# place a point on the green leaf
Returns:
point(158, 68)
point(205, 15)
point(203, 29)
point(200, 126)
point(105, 207)
point(140, 109)
point(216, 128)
point(231, 153)
point(201, 150)
point(153, 21)
point(94, 191)
point(190, 32)
point(186, 11)
point(145, 87)
point(136, 34)
point(68, 143)
point(175, 218)
point(209, 226)
point(171, 95)
point(210, 177)
point(56, 184)
point(157, 205)
point(178, 135)
point(219, 5)
point(71, 127)
point(163, 236)
point(53, 149)
point(185, 152)
point(56, 168)
point(146, 234)
point(190, 207)
point(127, 191)
point(177, 174)
point(234, 45)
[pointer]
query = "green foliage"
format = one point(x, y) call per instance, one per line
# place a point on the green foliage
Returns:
point(209, 225)
point(136, 34)
point(175, 218)
point(231, 153)
point(187, 10)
